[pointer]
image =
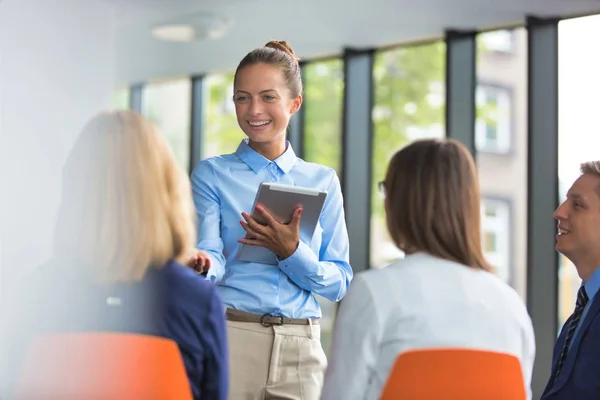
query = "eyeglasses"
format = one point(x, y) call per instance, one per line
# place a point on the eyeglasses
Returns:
point(382, 189)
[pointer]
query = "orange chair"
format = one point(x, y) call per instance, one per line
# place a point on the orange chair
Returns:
point(455, 374)
point(103, 366)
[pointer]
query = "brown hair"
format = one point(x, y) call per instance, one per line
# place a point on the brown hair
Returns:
point(280, 54)
point(433, 201)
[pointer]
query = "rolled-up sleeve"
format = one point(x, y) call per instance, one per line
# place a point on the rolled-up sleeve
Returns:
point(328, 274)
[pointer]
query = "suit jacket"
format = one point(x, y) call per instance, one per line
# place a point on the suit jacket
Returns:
point(172, 302)
point(580, 375)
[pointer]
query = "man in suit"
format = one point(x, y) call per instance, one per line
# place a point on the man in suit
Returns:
point(576, 360)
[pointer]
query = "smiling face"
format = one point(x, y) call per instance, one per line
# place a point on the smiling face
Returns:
point(578, 219)
point(263, 104)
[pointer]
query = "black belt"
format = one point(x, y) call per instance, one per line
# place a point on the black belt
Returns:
point(267, 319)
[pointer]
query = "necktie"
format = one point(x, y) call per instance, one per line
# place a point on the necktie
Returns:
point(582, 299)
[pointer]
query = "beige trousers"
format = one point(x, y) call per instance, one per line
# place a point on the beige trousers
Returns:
point(278, 362)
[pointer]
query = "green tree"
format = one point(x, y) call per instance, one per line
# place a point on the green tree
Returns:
point(323, 112)
point(167, 104)
point(120, 99)
point(408, 102)
point(408, 85)
point(223, 133)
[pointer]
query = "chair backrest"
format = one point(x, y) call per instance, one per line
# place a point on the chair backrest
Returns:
point(102, 366)
point(453, 374)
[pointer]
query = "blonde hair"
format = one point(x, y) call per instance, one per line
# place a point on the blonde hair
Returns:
point(433, 201)
point(590, 167)
point(126, 204)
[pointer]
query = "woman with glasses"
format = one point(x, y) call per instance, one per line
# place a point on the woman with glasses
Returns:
point(442, 294)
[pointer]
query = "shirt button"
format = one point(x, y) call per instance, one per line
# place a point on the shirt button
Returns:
point(274, 287)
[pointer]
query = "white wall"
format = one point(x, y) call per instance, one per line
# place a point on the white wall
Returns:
point(56, 70)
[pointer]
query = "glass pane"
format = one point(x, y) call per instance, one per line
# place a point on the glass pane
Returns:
point(579, 124)
point(409, 104)
point(120, 100)
point(496, 234)
point(494, 113)
point(498, 41)
point(222, 132)
point(168, 104)
point(502, 155)
point(323, 105)
point(489, 242)
point(324, 102)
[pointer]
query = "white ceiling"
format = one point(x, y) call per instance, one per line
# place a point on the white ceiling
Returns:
point(315, 28)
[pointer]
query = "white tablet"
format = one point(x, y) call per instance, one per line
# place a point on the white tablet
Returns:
point(281, 201)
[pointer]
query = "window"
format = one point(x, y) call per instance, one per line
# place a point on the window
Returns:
point(324, 103)
point(409, 104)
point(500, 41)
point(168, 104)
point(495, 224)
point(120, 100)
point(222, 132)
point(418, 132)
point(492, 128)
point(579, 123)
point(501, 128)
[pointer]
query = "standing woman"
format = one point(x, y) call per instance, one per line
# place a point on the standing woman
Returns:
point(272, 312)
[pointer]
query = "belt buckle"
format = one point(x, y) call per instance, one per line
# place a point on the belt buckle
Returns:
point(268, 324)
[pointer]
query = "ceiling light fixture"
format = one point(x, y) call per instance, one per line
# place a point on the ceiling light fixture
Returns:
point(175, 32)
point(193, 27)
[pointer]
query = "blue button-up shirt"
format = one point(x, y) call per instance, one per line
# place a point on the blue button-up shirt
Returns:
point(224, 187)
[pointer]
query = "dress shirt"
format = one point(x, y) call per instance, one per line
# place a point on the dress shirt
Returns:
point(224, 187)
point(591, 288)
point(421, 302)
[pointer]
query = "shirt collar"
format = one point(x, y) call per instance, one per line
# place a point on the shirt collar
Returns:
point(257, 162)
point(592, 285)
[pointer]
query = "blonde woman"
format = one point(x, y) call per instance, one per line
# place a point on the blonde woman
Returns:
point(442, 294)
point(125, 224)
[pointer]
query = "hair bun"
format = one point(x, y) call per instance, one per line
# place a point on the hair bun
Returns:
point(284, 46)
